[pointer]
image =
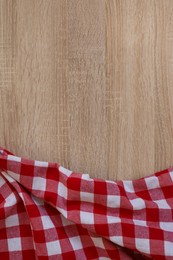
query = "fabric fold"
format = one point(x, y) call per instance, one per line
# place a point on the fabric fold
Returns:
point(50, 212)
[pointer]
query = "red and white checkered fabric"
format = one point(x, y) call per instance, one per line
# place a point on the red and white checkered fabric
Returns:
point(50, 212)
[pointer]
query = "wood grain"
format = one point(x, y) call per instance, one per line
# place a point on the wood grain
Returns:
point(88, 84)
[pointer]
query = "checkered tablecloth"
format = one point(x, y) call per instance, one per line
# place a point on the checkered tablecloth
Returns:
point(50, 212)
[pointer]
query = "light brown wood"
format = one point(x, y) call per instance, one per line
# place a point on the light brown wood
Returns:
point(88, 84)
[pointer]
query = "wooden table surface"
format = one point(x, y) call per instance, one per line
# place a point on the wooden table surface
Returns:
point(88, 84)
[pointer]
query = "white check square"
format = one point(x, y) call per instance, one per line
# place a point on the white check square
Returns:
point(143, 245)
point(10, 200)
point(104, 258)
point(47, 222)
point(86, 217)
point(168, 247)
point(162, 204)
point(113, 201)
point(76, 243)
point(152, 182)
point(98, 242)
point(62, 190)
point(11, 176)
point(87, 196)
point(40, 163)
point(128, 185)
point(138, 203)
point(2, 181)
point(171, 175)
point(13, 158)
point(167, 226)
point(67, 172)
point(117, 240)
point(139, 222)
point(53, 248)
point(14, 244)
point(39, 183)
point(12, 221)
point(62, 211)
point(113, 219)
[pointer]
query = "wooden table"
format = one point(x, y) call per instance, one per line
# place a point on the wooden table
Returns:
point(88, 84)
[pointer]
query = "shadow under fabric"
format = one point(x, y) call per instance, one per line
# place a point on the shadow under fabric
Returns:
point(50, 212)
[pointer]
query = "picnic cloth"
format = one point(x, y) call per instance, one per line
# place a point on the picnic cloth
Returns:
point(50, 212)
